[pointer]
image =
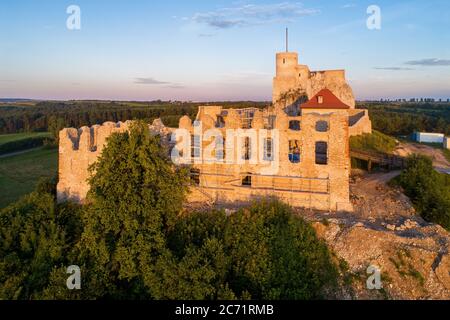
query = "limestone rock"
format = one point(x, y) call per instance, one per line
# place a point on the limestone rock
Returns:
point(413, 266)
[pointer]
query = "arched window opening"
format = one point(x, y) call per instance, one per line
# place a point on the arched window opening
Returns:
point(247, 180)
point(321, 126)
point(268, 149)
point(294, 125)
point(195, 146)
point(220, 148)
point(246, 149)
point(195, 176)
point(321, 153)
point(220, 123)
point(269, 122)
point(294, 151)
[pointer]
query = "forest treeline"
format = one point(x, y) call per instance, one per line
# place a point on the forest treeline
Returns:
point(399, 119)
point(392, 118)
point(54, 115)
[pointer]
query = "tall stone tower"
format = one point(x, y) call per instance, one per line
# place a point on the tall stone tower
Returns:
point(293, 77)
point(289, 75)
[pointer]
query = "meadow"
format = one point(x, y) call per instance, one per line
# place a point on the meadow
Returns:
point(19, 174)
point(7, 138)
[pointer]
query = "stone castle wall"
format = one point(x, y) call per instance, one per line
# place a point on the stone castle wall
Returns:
point(80, 148)
point(302, 184)
point(359, 122)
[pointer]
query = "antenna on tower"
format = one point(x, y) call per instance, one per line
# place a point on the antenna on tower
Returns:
point(287, 39)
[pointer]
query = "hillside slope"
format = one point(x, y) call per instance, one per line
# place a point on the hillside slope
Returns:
point(384, 231)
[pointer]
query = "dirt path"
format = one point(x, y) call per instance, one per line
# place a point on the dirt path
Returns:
point(372, 198)
point(375, 203)
point(439, 161)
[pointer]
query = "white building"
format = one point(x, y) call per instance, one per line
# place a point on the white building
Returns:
point(429, 137)
point(447, 142)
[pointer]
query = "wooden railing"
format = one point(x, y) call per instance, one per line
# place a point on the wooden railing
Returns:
point(387, 161)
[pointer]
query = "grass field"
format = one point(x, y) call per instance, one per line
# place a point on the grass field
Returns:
point(19, 174)
point(5, 138)
point(376, 141)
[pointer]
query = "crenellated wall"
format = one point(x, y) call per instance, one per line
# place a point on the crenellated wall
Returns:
point(80, 148)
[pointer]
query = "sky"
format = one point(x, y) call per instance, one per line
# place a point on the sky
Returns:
point(218, 50)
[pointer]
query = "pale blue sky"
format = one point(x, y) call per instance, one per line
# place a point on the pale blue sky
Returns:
point(218, 50)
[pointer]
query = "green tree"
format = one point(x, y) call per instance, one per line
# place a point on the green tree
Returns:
point(35, 237)
point(136, 194)
point(428, 189)
point(261, 252)
point(55, 124)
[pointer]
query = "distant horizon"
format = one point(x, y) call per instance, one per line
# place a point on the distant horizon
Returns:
point(211, 101)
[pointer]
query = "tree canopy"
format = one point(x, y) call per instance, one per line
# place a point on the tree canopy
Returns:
point(428, 189)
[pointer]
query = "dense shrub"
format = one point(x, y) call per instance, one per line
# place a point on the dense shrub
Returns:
point(260, 252)
point(428, 189)
point(35, 237)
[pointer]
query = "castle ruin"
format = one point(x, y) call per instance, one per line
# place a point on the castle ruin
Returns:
point(303, 135)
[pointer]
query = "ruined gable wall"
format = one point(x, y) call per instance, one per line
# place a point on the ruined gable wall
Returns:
point(80, 148)
point(359, 122)
point(333, 80)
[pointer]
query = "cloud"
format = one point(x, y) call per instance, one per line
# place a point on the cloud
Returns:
point(176, 86)
point(149, 81)
point(252, 14)
point(348, 5)
point(206, 35)
point(392, 68)
point(152, 81)
point(429, 62)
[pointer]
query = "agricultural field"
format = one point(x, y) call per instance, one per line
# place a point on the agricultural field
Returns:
point(17, 142)
point(6, 138)
point(19, 174)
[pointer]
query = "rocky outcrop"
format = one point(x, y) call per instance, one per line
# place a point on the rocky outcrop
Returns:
point(385, 231)
point(413, 259)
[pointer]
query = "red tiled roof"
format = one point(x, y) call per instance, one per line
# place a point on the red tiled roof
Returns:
point(329, 101)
